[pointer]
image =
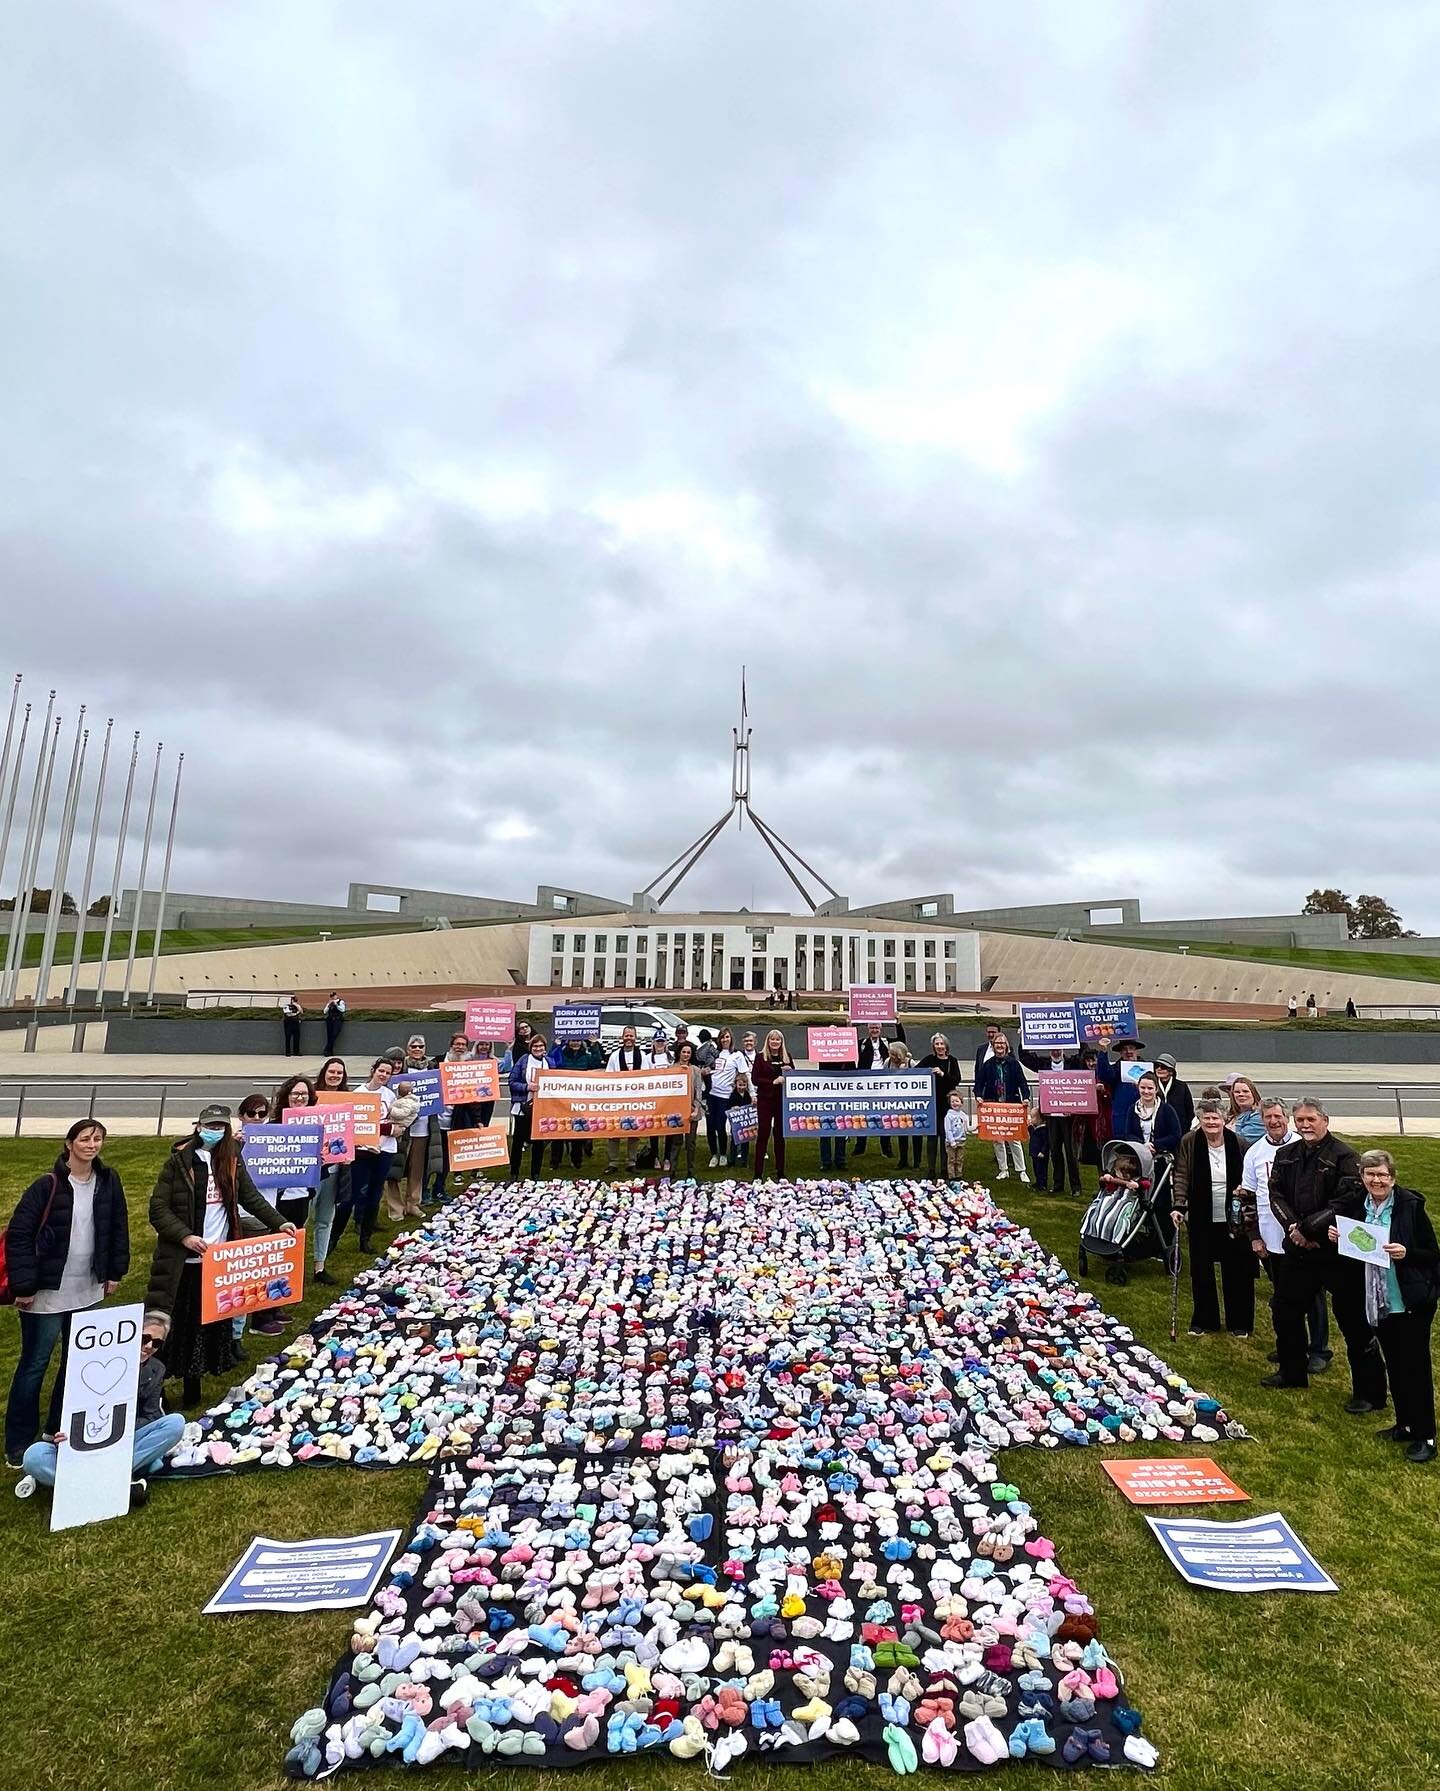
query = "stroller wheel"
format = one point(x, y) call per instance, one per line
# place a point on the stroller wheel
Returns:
point(1117, 1274)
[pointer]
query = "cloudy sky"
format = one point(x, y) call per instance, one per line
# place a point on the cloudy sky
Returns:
point(420, 412)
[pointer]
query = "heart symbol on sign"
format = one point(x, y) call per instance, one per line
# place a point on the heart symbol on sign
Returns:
point(100, 1377)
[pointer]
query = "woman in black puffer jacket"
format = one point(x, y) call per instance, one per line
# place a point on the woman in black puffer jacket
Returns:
point(66, 1249)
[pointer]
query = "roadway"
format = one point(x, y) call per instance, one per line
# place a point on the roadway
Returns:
point(48, 1092)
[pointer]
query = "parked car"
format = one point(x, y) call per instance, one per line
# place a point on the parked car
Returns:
point(647, 1021)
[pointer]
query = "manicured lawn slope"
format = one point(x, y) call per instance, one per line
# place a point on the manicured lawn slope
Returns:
point(116, 1681)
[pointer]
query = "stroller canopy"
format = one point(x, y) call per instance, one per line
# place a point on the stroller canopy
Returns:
point(1142, 1153)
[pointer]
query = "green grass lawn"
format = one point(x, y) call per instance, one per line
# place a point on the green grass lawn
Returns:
point(117, 1681)
point(181, 939)
point(1409, 966)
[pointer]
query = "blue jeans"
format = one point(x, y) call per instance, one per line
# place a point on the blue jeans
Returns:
point(39, 1333)
point(153, 1442)
point(832, 1148)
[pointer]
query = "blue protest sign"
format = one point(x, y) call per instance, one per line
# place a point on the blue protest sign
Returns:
point(1048, 1026)
point(425, 1084)
point(1258, 1554)
point(744, 1122)
point(1105, 1017)
point(323, 1575)
point(284, 1156)
point(837, 1106)
point(575, 1020)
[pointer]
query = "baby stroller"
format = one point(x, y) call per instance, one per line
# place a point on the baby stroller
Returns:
point(1124, 1225)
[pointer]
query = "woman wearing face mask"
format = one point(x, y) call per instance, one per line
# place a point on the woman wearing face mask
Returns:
point(67, 1249)
point(197, 1201)
point(334, 1195)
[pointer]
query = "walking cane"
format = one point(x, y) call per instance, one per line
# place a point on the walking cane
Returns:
point(1174, 1266)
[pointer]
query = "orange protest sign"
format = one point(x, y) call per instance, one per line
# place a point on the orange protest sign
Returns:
point(338, 1143)
point(1174, 1482)
point(610, 1103)
point(367, 1112)
point(1002, 1122)
point(251, 1275)
point(479, 1147)
point(471, 1080)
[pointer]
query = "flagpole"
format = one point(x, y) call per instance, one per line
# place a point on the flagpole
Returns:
point(115, 879)
point(35, 833)
point(144, 866)
point(164, 885)
point(15, 943)
point(73, 986)
point(62, 859)
point(11, 795)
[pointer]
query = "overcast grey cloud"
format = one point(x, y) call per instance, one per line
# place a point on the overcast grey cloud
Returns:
point(425, 411)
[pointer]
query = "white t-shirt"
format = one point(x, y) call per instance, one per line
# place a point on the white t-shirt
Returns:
point(621, 1058)
point(1255, 1179)
point(1219, 1175)
point(387, 1101)
point(723, 1071)
point(217, 1220)
point(1146, 1121)
point(78, 1287)
point(880, 1059)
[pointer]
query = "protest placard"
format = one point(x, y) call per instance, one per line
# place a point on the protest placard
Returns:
point(479, 1147)
point(1002, 1122)
point(425, 1085)
point(324, 1575)
point(337, 1142)
point(574, 1020)
point(1361, 1240)
point(93, 1463)
point(1102, 1018)
point(1068, 1091)
point(1166, 1481)
point(366, 1112)
point(487, 1018)
point(606, 1103)
point(1257, 1554)
point(743, 1121)
point(872, 1003)
point(1134, 1069)
point(287, 1155)
point(831, 1044)
point(252, 1274)
point(837, 1105)
point(1048, 1026)
point(472, 1080)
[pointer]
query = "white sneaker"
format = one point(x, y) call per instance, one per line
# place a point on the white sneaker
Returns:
point(1003, 1175)
point(714, 1162)
point(25, 1486)
point(1024, 1178)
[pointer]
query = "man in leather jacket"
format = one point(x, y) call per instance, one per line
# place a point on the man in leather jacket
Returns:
point(1309, 1179)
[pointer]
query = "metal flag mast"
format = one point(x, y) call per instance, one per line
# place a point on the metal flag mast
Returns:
point(740, 806)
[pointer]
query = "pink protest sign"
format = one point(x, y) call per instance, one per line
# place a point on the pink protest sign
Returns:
point(831, 1044)
point(872, 1003)
point(489, 1019)
point(1068, 1091)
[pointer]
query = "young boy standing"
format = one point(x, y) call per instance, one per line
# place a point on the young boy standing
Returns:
point(957, 1130)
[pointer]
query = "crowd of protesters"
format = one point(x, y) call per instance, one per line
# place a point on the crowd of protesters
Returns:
point(1255, 1186)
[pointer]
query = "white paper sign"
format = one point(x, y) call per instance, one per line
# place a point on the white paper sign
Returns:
point(102, 1373)
point(324, 1574)
point(1361, 1240)
point(1133, 1070)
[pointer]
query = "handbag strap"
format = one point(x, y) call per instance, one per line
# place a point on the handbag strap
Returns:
point(50, 1201)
